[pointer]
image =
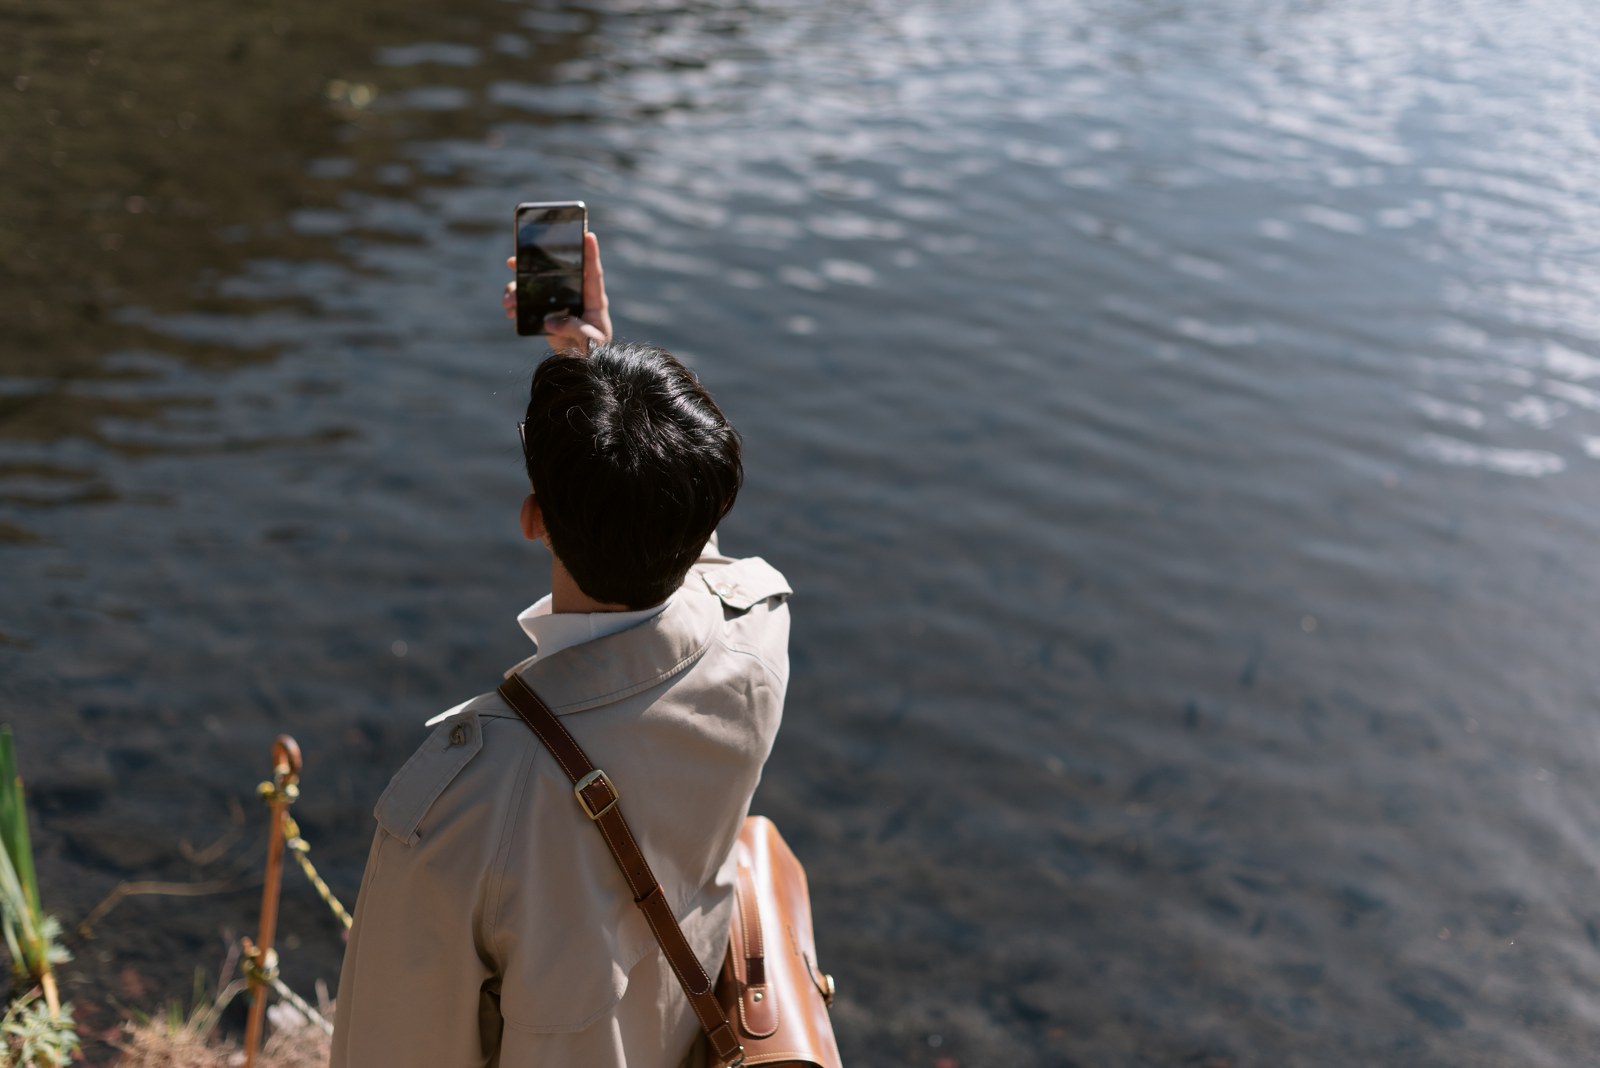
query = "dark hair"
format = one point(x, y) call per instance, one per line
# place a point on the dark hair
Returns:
point(633, 465)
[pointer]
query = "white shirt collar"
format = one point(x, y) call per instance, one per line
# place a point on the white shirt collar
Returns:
point(552, 631)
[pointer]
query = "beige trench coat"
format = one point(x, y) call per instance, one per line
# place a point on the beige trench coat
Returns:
point(492, 926)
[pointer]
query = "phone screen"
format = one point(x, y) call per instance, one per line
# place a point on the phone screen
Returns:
point(549, 263)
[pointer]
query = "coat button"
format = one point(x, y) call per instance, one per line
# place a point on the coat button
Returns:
point(458, 735)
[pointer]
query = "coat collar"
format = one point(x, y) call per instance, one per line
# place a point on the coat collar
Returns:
point(551, 631)
point(615, 666)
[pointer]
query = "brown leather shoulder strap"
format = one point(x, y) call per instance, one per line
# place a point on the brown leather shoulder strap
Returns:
point(597, 796)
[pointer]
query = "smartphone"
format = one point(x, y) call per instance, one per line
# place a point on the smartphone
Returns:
point(549, 239)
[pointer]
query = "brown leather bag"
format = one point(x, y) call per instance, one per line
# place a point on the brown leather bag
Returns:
point(770, 1004)
point(770, 983)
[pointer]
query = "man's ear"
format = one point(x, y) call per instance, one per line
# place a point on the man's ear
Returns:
point(532, 519)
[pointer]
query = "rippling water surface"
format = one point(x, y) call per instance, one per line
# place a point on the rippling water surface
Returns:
point(1181, 425)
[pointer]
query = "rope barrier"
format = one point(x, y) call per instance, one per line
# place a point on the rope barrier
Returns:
point(299, 847)
point(304, 1006)
point(259, 967)
point(259, 963)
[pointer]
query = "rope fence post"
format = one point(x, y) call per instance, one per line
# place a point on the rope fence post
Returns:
point(260, 962)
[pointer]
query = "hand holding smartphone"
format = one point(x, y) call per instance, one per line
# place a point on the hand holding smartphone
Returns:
point(550, 262)
point(565, 330)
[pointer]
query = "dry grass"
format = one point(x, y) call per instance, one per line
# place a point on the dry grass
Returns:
point(294, 1043)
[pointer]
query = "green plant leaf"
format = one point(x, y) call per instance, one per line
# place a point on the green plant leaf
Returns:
point(14, 821)
point(23, 935)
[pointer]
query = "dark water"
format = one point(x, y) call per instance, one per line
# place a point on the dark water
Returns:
point(1180, 423)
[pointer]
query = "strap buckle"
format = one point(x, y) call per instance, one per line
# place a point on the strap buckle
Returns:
point(721, 1039)
point(596, 776)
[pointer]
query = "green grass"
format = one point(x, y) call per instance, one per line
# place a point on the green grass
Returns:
point(34, 1033)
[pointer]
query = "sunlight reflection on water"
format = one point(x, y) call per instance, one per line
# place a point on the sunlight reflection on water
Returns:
point(1084, 353)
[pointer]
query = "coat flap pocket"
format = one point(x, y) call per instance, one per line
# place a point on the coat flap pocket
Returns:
point(418, 784)
point(746, 583)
